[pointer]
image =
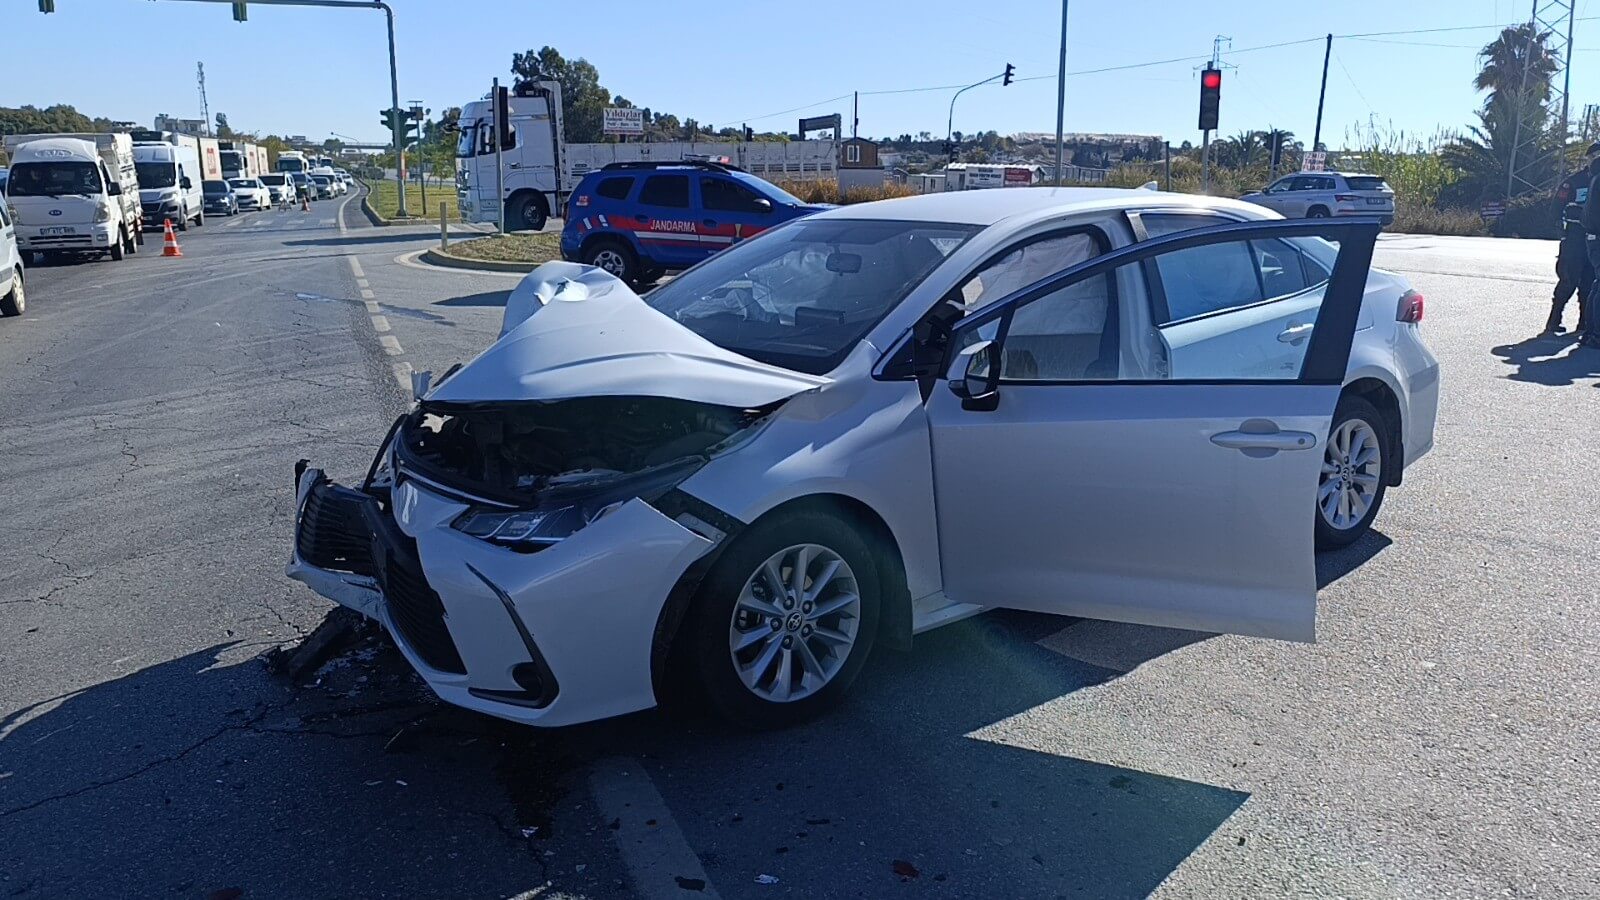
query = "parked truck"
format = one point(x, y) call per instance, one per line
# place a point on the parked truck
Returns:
point(210, 159)
point(74, 193)
point(170, 174)
point(240, 159)
point(539, 167)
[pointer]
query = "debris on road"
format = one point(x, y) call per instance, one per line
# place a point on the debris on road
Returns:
point(766, 879)
point(338, 630)
point(905, 869)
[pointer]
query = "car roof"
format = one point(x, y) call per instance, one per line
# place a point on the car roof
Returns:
point(988, 206)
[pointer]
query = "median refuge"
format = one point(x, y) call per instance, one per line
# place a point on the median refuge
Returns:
point(521, 252)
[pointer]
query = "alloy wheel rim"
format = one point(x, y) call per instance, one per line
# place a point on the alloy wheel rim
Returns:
point(610, 260)
point(1352, 470)
point(795, 623)
point(20, 296)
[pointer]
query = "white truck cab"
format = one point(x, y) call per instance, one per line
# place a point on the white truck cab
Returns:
point(532, 159)
point(74, 193)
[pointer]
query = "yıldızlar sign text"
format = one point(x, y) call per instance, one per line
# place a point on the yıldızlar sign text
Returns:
point(622, 120)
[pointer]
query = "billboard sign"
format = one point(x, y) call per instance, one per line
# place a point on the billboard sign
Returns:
point(623, 120)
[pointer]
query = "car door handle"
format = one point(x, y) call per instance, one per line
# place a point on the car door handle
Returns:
point(1268, 440)
point(1294, 334)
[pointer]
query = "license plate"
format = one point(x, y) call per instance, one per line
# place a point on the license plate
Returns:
point(1377, 201)
point(58, 229)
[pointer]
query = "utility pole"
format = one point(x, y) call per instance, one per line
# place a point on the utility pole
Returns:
point(1322, 95)
point(495, 113)
point(205, 108)
point(855, 114)
point(949, 127)
point(1061, 99)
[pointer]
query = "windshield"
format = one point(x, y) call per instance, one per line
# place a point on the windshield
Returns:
point(53, 179)
point(215, 187)
point(156, 175)
point(464, 143)
point(321, 179)
point(242, 183)
point(768, 189)
point(1365, 183)
point(273, 180)
point(802, 295)
point(291, 165)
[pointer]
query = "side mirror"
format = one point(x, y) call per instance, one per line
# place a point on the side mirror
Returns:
point(185, 183)
point(979, 385)
point(762, 205)
point(114, 189)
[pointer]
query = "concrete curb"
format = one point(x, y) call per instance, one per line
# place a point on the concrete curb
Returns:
point(380, 221)
point(437, 257)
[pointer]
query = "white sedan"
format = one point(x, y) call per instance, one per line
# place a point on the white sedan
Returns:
point(873, 421)
point(252, 193)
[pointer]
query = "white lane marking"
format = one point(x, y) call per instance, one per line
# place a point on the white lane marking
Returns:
point(338, 216)
point(391, 346)
point(355, 267)
point(402, 376)
point(371, 305)
point(362, 283)
point(367, 294)
point(656, 854)
point(380, 324)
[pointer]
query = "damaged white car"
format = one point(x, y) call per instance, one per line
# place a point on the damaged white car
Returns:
point(858, 426)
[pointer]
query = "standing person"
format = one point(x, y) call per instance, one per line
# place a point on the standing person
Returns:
point(1590, 336)
point(1574, 272)
point(1575, 187)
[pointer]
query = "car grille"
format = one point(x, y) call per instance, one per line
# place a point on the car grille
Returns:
point(414, 607)
point(333, 532)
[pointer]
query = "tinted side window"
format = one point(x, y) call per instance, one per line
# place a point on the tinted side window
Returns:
point(729, 196)
point(615, 188)
point(1207, 279)
point(666, 190)
point(1282, 270)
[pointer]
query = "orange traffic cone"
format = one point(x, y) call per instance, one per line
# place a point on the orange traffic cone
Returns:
point(169, 242)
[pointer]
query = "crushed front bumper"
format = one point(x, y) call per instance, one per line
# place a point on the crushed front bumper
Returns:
point(557, 637)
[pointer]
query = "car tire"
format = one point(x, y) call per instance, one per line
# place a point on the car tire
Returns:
point(132, 245)
point(15, 301)
point(138, 235)
point(526, 212)
point(1354, 476)
point(651, 275)
point(759, 676)
point(200, 219)
point(119, 246)
point(615, 257)
point(1318, 212)
point(183, 223)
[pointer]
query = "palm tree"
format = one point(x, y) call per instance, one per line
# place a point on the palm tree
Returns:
point(1506, 57)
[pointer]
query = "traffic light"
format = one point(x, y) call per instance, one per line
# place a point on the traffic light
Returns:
point(1210, 97)
point(401, 121)
point(47, 6)
point(1011, 74)
point(749, 134)
point(240, 12)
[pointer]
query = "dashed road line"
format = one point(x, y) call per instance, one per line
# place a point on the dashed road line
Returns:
point(391, 345)
point(380, 324)
point(658, 856)
point(367, 294)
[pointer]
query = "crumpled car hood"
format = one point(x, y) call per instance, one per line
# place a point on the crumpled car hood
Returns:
point(572, 331)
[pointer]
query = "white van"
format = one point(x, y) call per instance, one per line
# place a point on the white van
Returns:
point(74, 193)
point(169, 184)
point(12, 301)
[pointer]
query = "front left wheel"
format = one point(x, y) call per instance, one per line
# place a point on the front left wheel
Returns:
point(785, 620)
point(1354, 476)
point(15, 301)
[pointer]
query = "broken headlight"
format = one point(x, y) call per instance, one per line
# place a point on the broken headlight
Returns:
point(570, 503)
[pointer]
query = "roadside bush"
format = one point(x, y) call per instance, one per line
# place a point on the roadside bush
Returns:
point(1411, 217)
point(826, 190)
point(1530, 217)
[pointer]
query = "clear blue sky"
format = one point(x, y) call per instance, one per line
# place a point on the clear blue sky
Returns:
point(313, 71)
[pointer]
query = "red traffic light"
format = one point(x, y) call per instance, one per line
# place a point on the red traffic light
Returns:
point(1211, 79)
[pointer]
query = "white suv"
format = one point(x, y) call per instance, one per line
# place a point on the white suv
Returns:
point(872, 421)
point(12, 299)
point(1316, 195)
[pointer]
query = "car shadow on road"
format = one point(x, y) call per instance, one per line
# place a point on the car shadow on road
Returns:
point(484, 298)
point(960, 758)
point(1550, 359)
point(1333, 565)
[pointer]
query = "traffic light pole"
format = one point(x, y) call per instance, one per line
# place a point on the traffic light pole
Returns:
point(394, 73)
point(951, 124)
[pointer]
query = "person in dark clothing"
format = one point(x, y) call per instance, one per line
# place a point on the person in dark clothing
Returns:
point(1575, 187)
point(1574, 272)
point(1590, 336)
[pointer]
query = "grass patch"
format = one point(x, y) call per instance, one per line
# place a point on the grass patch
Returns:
point(826, 190)
point(535, 248)
point(385, 200)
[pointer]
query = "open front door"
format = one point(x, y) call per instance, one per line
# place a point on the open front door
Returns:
point(1074, 475)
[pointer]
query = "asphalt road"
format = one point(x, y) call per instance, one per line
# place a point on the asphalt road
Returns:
point(1440, 739)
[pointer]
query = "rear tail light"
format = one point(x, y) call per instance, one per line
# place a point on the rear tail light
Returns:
point(1346, 198)
point(1410, 308)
